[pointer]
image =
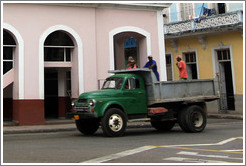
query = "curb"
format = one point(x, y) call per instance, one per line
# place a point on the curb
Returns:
point(140, 123)
point(47, 130)
point(225, 116)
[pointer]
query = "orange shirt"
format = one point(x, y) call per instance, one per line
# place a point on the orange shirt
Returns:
point(132, 67)
point(182, 70)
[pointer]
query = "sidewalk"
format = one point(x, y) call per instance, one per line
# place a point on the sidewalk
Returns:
point(69, 125)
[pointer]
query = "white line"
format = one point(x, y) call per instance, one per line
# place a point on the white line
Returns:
point(219, 143)
point(190, 160)
point(235, 150)
point(211, 156)
point(226, 141)
point(119, 155)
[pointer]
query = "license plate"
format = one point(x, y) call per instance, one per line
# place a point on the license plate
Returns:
point(76, 117)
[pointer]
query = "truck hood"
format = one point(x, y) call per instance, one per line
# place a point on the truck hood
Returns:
point(101, 94)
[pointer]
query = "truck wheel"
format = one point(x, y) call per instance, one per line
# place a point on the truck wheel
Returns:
point(87, 126)
point(192, 119)
point(114, 122)
point(163, 125)
point(181, 120)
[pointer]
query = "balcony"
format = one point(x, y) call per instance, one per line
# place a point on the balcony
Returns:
point(219, 23)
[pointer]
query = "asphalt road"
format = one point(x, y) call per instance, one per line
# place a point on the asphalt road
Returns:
point(220, 142)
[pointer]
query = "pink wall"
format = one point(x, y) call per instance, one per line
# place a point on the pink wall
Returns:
point(91, 24)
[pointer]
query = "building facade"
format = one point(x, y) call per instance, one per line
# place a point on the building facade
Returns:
point(54, 52)
point(209, 37)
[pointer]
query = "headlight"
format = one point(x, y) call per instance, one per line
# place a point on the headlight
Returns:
point(92, 103)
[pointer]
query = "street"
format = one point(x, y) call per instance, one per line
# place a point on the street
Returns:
point(221, 142)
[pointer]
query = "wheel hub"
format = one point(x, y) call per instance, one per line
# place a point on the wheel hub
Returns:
point(115, 122)
point(197, 119)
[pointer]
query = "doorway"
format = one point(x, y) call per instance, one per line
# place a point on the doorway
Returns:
point(8, 103)
point(130, 47)
point(129, 44)
point(227, 101)
point(51, 93)
point(169, 67)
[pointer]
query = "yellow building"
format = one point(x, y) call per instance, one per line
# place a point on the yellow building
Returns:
point(211, 47)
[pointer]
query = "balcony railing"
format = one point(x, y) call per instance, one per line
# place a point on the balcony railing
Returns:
point(211, 22)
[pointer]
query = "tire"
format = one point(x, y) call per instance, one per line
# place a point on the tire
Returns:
point(192, 119)
point(163, 125)
point(87, 126)
point(114, 122)
point(181, 119)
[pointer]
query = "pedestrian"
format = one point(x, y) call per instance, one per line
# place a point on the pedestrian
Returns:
point(131, 63)
point(182, 68)
point(151, 64)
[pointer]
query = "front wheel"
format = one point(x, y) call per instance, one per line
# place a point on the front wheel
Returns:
point(114, 122)
point(192, 119)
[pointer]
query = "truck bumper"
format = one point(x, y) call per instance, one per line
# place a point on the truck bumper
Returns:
point(81, 115)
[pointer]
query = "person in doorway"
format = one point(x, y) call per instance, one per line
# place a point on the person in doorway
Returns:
point(182, 68)
point(151, 64)
point(131, 63)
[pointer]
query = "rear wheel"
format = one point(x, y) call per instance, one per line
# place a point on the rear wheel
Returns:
point(114, 122)
point(163, 125)
point(87, 126)
point(192, 119)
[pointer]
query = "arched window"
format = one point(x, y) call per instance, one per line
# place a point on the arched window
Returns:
point(8, 51)
point(58, 47)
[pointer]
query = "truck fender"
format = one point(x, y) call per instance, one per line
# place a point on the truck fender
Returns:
point(111, 104)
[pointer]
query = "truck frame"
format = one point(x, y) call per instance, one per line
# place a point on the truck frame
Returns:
point(135, 93)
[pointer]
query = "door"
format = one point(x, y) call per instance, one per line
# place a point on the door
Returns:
point(135, 96)
point(227, 101)
point(223, 98)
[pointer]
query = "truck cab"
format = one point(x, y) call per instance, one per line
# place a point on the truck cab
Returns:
point(124, 91)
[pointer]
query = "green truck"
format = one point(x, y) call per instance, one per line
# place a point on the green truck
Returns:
point(135, 93)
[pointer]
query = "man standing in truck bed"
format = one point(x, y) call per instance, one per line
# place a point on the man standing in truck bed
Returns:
point(151, 64)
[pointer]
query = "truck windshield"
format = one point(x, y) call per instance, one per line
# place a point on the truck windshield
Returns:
point(113, 83)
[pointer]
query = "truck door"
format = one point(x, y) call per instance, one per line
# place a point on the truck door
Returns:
point(135, 96)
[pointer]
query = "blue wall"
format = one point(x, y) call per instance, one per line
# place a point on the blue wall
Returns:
point(173, 12)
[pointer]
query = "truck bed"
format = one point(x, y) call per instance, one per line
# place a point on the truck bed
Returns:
point(183, 91)
point(200, 90)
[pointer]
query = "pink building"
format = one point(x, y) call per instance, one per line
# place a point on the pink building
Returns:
point(53, 51)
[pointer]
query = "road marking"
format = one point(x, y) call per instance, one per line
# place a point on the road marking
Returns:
point(207, 150)
point(235, 150)
point(190, 160)
point(211, 156)
point(218, 143)
point(119, 155)
point(149, 147)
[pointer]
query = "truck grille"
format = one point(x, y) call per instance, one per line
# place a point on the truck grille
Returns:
point(81, 108)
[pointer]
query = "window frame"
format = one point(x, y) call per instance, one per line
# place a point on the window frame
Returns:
point(195, 54)
point(9, 60)
point(64, 52)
